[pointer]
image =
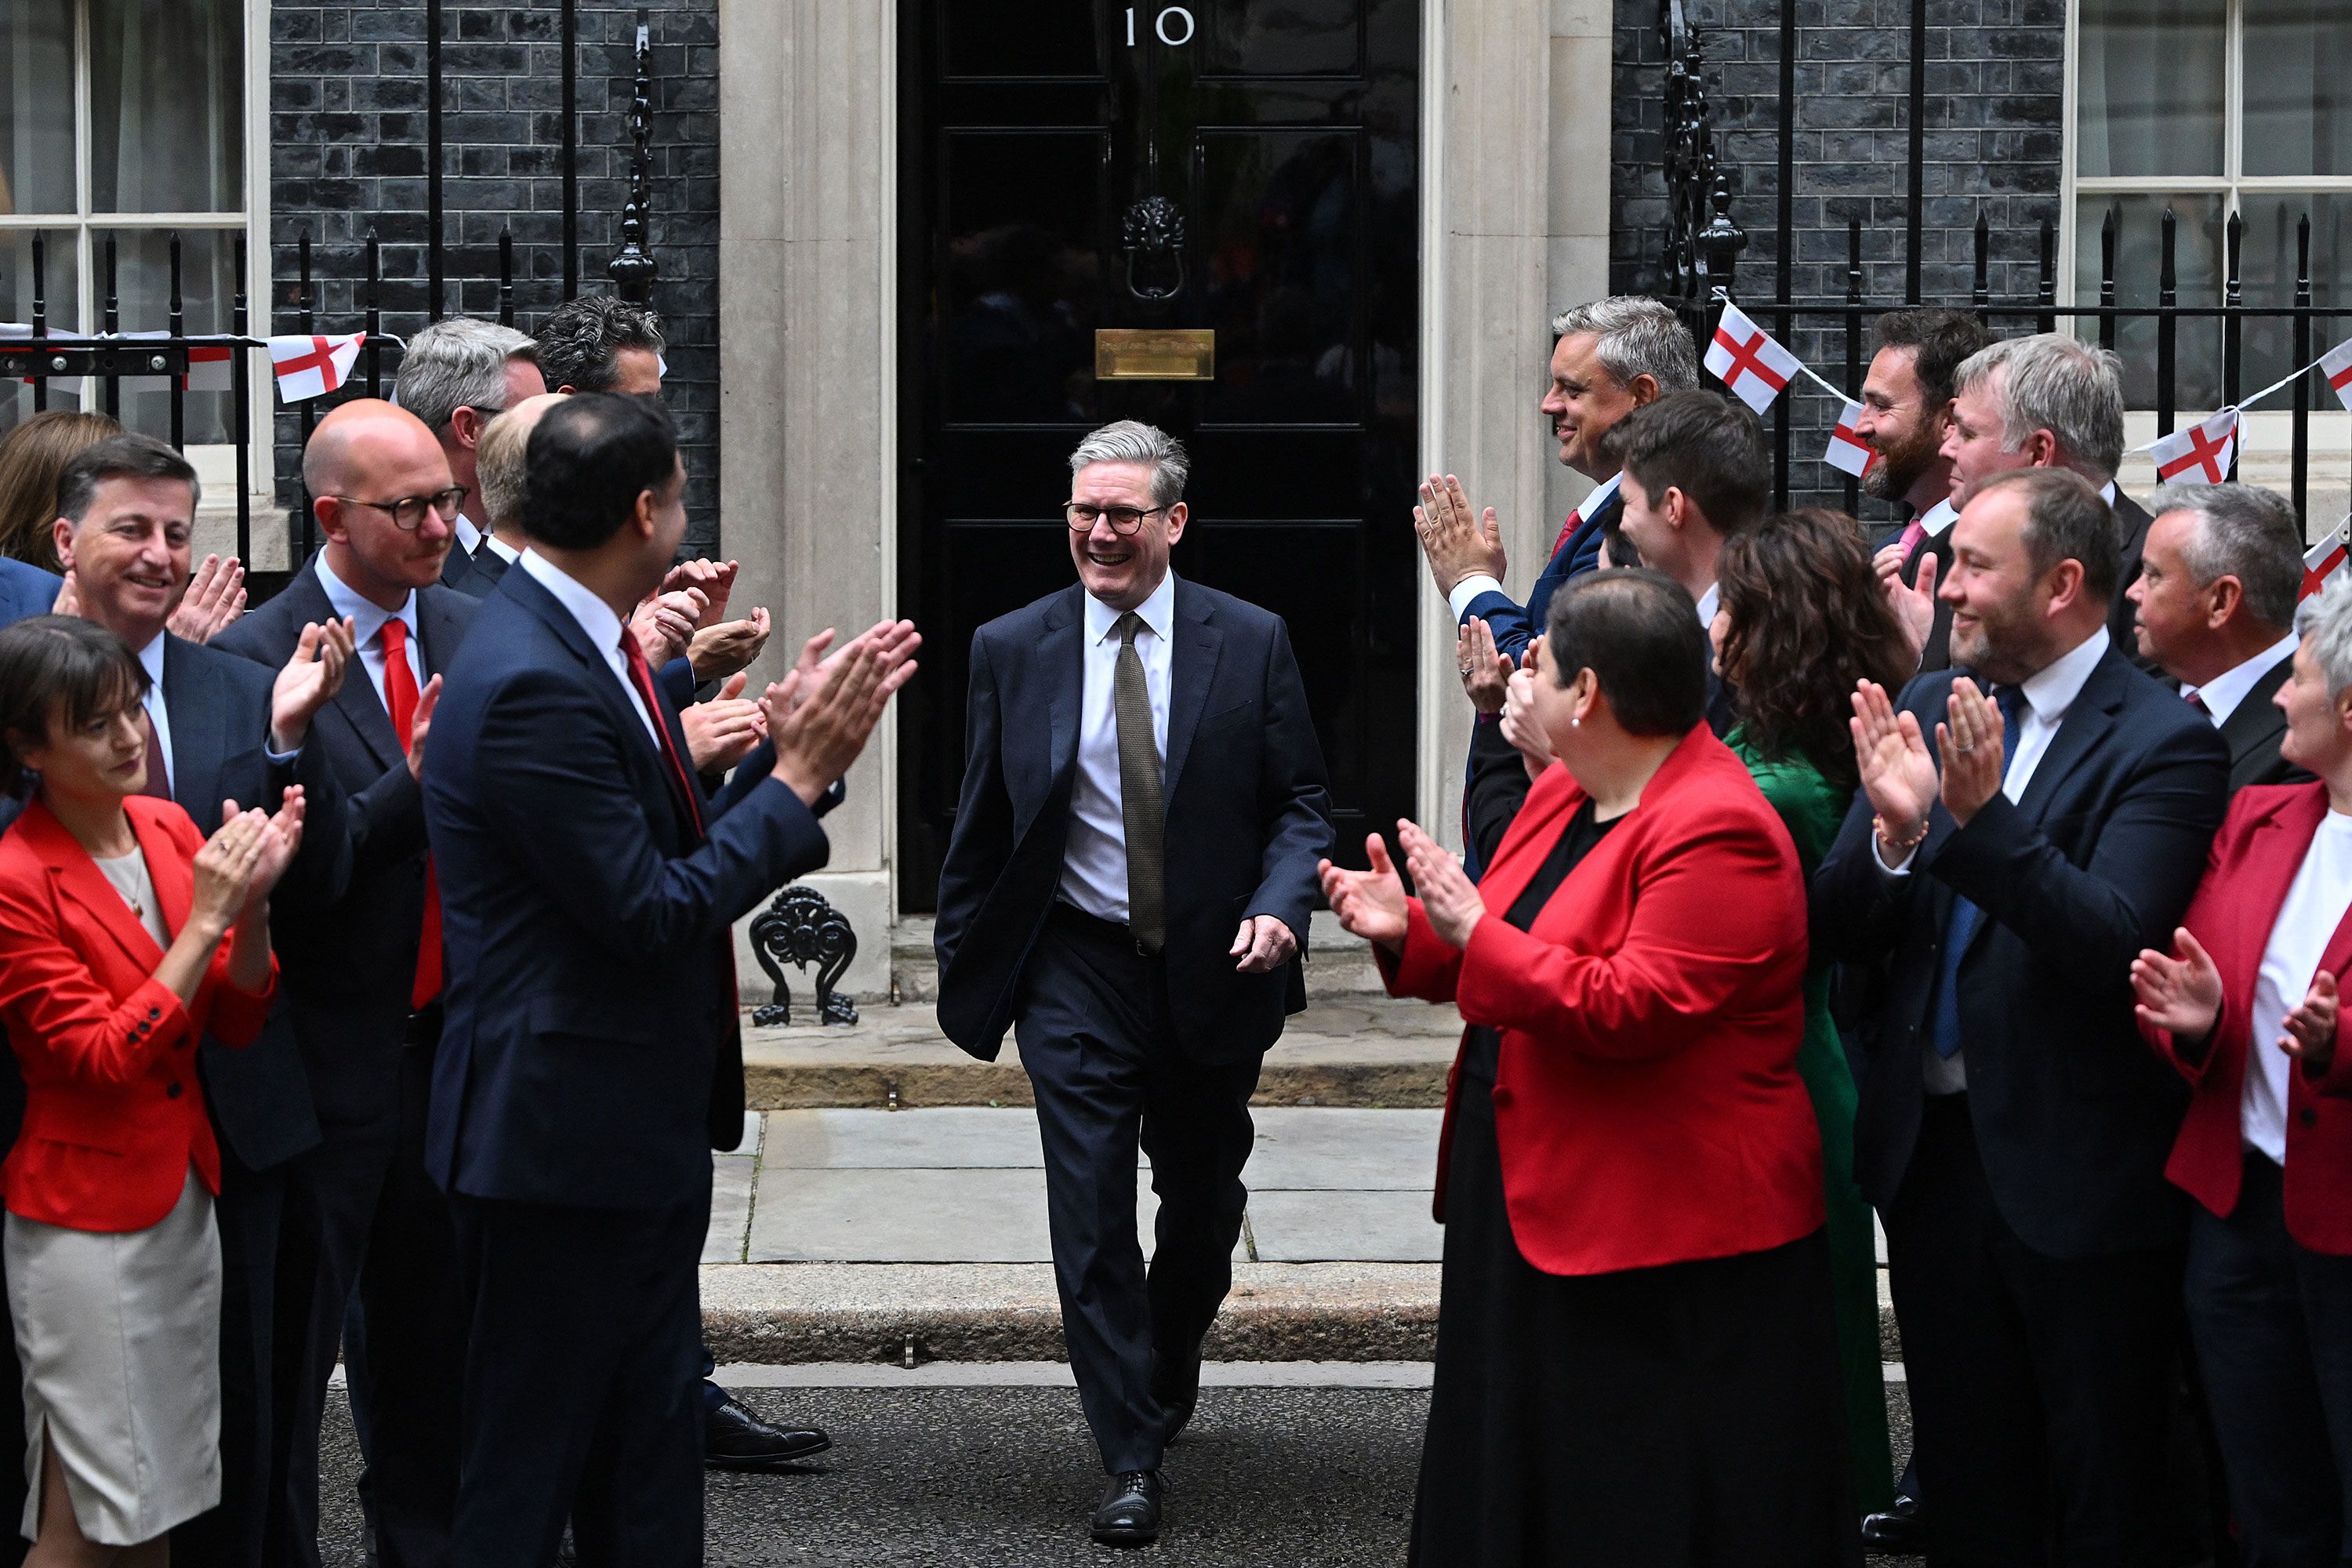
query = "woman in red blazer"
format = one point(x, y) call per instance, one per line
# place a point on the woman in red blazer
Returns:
point(2247, 1010)
point(123, 937)
point(1636, 1349)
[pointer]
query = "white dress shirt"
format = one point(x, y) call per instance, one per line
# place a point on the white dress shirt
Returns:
point(1479, 582)
point(2223, 694)
point(1708, 603)
point(1094, 862)
point(596, 619)
point(2306, 923)
point(2107, 493)
point(2049, 693)
point(469, 534)
point(1937, 517)
point(367, 618)
point(505, 551)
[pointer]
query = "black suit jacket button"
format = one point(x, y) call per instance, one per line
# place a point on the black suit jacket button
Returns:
point(172, 1091)
point(2307, 1115)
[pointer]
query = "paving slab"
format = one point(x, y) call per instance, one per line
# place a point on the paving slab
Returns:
point(1339, 1227)
point(1302, 1150)
point(974, 1214)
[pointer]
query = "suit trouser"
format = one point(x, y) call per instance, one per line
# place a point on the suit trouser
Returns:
point(2040, 1387)
point(2272, 1325)
point(248, 1213)
point(584, 1337)
point(372, 1222)
point(1096, 1042)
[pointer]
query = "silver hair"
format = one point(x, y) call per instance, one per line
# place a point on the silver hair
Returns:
point(2325, 622)
point(2247, 532)
point(1636, 335)
point(2073, 389)
point(1132, 441)
point(458, 364)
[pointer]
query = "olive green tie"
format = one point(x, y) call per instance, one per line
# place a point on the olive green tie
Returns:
point(1139, 793)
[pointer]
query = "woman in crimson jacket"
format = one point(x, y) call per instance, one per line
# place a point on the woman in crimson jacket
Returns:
point(123, 937)
point(2247, 1009)
point(1636, 1352)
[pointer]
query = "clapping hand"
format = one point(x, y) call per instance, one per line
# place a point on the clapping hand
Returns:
point(309, 680)
point(1914, 603)
point(1897, 774)
point(714, 580)
point(665, 622)
point(1519, 727)
point(421, 725)
point(1447, 895)
point(1971, 742)
point(1458, 542)
point(2310, 1036)
point(225, 869)
point(216, 598)
point(820, 718)
point(1263, 944)
point(722, 647)
point(2182, 994)
point(1484, 672)
point(282, 835)
point(1369, 904)
point(722, 731)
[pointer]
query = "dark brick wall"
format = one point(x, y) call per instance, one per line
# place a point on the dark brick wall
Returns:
point(1993, 126)
point(347, 133)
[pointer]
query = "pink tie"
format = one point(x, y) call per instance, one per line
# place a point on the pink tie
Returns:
point(1913, 532)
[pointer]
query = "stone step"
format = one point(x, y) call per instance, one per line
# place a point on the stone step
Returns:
point(1337, 964)
point(1361, 1050)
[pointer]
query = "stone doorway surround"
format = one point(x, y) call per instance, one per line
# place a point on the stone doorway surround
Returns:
point(1515, 225)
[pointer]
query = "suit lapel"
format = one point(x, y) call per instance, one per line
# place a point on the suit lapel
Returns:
point(2256, 719)
point(78, 879)
point(2087, 723)
point(1192, 666)
point(173, 877)
point(1061, 652)
point(355, 700)
point(199, 731)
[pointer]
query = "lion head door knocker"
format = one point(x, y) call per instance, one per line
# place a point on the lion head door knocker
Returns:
point(1153, 239)
point(801, 929)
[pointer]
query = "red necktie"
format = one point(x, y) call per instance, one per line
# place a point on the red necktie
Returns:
point(2197, 701)
point(1566, 529)
point(400, 696)
point(641, 676)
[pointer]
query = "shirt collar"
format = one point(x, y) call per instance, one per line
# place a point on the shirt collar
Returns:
point(1939, 518)
point(367, 616)
point(506, 553)
point(1158, 612)
point(469, 534)
point(1599, 495)
point(596, 617)
point(151, 659)
point(2223, 694)
point(1708, 603)
point(2052, 689)
point(2107, 493)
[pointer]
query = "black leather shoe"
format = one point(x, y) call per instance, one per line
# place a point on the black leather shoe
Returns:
point(735, 1439)
point(1897, 1533)
point(1128, 1514)
point(1176, 1384)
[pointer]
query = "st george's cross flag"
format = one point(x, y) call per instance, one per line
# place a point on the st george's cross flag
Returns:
point(2200, 455)
point(1849, 453)
point(2336, 364)
point(2322, 561)
point(313, 366)
point(1747, 362)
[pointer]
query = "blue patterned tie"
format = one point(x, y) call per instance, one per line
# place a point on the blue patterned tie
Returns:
point(1966, 917)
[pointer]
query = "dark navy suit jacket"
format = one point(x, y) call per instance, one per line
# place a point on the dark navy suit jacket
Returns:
point(1515, 625)
point(591, 1052)
point(1247, 815)
point(2074, 1115)
point(26, 590)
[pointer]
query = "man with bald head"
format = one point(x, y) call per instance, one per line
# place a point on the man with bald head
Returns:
point(361, 973)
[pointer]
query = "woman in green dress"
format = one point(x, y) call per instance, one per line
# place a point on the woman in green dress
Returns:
point(1801, 618)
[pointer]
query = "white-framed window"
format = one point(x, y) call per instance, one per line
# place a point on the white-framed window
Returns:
point(2211, 108)
point(129, 121)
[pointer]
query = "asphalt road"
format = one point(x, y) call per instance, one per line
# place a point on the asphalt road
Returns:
point(1265, 1478)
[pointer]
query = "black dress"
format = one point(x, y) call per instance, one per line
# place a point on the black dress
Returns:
point(1668, 1417)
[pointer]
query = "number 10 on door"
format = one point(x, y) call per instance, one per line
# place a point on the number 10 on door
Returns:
point(1165, 26)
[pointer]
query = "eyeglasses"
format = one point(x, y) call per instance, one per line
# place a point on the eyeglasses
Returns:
point(1122, 519)
point(408, 511)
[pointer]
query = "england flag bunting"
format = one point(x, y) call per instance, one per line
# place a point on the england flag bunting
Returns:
point(1848, 451)
point(1746, 359)
point(2199, 454)
point(2322, 561)
point(2336, 364)
point(313, 366)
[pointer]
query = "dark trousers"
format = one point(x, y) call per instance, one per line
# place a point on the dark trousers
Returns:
point(373, 1223)
point(1109, 1073)
point(2039, 1386)
point(2272, 1322)
point(247, 1213)
point(583, 1339)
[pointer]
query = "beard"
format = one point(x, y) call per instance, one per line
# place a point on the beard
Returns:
point(1899, 466)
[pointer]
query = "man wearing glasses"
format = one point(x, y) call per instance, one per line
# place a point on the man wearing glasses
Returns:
point(1127, 888)
point(458, 375)
point(360, 969)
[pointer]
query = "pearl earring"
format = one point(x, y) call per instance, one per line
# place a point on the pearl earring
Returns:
point(1575, 722)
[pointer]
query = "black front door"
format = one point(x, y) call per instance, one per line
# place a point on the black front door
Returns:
point(1052, 152)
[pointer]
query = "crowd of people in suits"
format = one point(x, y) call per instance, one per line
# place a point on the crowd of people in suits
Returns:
point(318, 1059)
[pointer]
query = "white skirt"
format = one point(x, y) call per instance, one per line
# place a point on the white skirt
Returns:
point(118, 1335)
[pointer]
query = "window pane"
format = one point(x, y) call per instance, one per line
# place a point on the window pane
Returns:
point(16, 309)
point(36, 109)
point(2268, 263)
point(2152, 87)
point(142, 274)
point(2299, 88)
point(2139, 249)
point(167, 97)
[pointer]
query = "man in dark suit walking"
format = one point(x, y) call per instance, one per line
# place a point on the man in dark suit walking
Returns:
point(1906, 411)
point(2011, 854)
point(591, 1056)
point(361, 974)
point(1128, 889)
point(2215, 602)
